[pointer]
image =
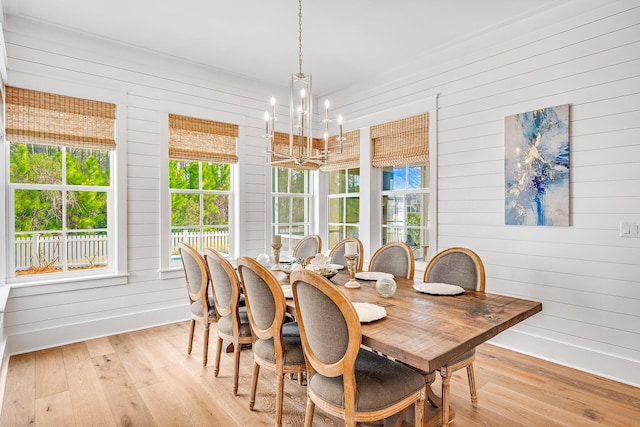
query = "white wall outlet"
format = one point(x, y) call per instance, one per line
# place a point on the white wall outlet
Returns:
point(630, 229)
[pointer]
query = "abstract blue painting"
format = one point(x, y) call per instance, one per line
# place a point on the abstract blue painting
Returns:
point(536, 165)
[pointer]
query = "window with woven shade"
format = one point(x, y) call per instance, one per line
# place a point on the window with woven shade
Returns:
point(203, 140)
point(350, 155)
point(401, 149)
point(343, 199)
point(42, 118)
point(201, 153)
point(60, 189)
point(400, 142)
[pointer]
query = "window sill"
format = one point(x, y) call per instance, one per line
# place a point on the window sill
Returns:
point(39, 287)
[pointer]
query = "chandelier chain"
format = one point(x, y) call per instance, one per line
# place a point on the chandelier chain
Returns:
point(300, 36)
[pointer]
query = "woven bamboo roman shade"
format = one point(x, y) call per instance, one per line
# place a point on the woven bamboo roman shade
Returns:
point(202, 140)
point(350, 156)
point(44, 118)
point(401, 142)
point(281, 145)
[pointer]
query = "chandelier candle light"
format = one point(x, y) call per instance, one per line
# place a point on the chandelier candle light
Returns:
point(301, 143)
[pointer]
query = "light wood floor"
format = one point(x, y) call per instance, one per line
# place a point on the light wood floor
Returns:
point(145, 378)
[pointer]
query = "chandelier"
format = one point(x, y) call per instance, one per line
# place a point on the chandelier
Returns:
point(303, 148)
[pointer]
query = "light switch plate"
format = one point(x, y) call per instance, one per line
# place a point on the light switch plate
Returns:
point(630, 229)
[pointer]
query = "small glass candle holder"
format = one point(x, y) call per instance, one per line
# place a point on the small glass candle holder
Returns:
point(276, 252)
point(351, 266)
point(386, 287)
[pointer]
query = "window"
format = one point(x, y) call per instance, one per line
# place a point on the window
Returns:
point(344, 204)
point(405, 206)
point(344, 187)
point(60, 188)
point(401, 149)
point(200, 193)
point(201, 154)
point(291, 204)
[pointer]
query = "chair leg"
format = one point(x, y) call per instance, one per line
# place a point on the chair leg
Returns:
point(254, 384)
point(308, 415)
point(420, 407)
point(472, 386)
point(279, 398)
point(236, 367)
point(216, 369)
point(205, 348)
point(445, 373)
point(192, 328)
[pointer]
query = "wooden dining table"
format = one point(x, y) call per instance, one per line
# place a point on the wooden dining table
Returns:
point(427, 331)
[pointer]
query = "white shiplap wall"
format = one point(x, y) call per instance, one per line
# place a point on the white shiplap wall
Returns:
point(584, 53)
point(587, 277)
point(150, 86)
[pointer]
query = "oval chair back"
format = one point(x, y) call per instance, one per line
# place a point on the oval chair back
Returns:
point(344, 379)
point(308, 246)
point(457, 266)
point(395, 258)
point(201, 305)
point(233, 322)
point(277, 346)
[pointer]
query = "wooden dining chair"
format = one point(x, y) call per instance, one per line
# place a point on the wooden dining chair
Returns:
point(344, 379)
point(308, 246)
point(395, 258)
point(277, 344)
point(201, 304)
point(233, 321)
point(462, 267)
point(337, 253)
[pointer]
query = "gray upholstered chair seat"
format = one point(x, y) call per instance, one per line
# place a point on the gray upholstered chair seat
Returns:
point(225, 323)
point(233, 322)
point(264, 349)
point(196, 308)
point(380, 383)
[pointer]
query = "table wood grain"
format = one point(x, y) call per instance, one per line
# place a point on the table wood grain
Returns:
point(427, 331)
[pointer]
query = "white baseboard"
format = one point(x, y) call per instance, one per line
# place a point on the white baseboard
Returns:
point(67, 334)
point(614, 367)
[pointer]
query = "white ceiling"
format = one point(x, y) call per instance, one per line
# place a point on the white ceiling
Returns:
point(343, 41)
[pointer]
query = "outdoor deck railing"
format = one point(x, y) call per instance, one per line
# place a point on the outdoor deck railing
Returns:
point(85, 251)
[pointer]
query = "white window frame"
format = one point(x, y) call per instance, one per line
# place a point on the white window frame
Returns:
point(404, 192)
point(202, 192)
point(117, 210)
point(169, 270)
point(343, 197)
point(370, 212)
point(63, 188)
point(309, 206)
